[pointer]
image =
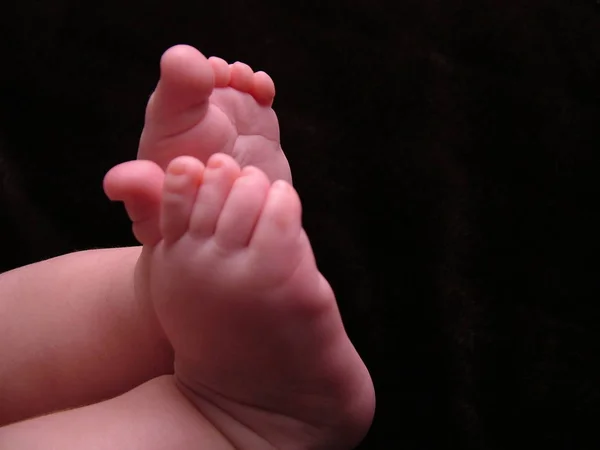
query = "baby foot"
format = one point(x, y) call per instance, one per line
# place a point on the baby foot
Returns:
point(260, 347)
point(204, 106)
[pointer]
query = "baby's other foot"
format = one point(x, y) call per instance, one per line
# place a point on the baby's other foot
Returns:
point(204, 106)
point(259, 342)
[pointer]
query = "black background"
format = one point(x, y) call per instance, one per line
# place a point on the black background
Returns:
point(446, 156)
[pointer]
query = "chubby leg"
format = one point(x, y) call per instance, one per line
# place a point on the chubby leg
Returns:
point(153, 416)
point(72, 333)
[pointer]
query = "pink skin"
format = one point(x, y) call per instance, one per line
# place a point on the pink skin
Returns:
point(226, 285)
point(201, 107)
point(227, 265)
point(233, 280)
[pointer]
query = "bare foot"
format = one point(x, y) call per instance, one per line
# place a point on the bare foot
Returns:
point(203, 106)
point(260, 347)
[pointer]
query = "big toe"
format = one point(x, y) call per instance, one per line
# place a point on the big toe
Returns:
point(278, 232)
point(138, 185)
point(180, 99)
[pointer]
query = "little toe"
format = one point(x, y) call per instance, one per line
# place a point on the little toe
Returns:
point(263, 88)
point(180, 99)
point(219, 176)
point(138, 185)
point(221, 70)
point(280, 223)
point(182, 179)
point(242, 209)
point(241, 77)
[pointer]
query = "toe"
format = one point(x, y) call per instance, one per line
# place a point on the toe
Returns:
point(219, 176)
point(180, 99)
point(138, 185)
point(221, 70)
point(241, 77)
point(280, 223)
point(242, 209)
point(263, 88)
point(182, 179)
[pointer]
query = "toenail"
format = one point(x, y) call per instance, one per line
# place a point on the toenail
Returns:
point(281, 185)
point(177, 168)
point(215, 163)
point(248, 170)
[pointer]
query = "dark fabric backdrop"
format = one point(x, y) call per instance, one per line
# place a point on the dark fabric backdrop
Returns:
point(446, 156)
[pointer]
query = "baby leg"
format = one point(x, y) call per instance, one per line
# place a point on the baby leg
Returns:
point(153, 416)
point(72, 333)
